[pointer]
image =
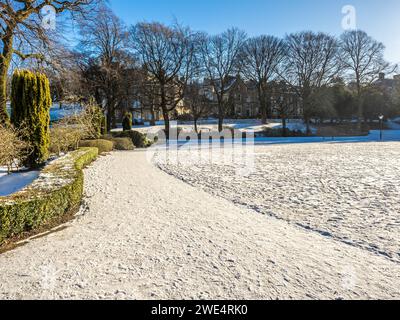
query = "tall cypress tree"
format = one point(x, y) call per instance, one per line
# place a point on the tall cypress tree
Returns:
point(30, 107)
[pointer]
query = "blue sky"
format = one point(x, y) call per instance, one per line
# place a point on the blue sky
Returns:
point(380, 18)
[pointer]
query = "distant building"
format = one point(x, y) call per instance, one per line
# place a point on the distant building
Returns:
point(240, 96)
point(386, 84)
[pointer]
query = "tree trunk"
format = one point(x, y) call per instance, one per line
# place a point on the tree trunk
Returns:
point(284, 125)
point(359, 104)
point(153, 116)
point(4, 118)
point(263, 106)
point(109, 117)
point(166, 123)
point(113, 118)
point(164, 109)
point(196, 129)
point(268, 107)
point(221, 116)
point(220, 123)
point(308, 128)
point(5, 59)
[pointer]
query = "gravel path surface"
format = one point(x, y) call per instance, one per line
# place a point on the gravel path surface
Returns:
point(143, 234)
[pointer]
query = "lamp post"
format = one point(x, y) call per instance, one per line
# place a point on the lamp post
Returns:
point(381, 117)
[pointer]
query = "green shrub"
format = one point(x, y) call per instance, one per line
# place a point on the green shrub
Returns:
point(127, 122)
point(123, 144)
point(30, 107)
point(103, 146)
point(95, 120)
point(57, 192)
point(139, 139)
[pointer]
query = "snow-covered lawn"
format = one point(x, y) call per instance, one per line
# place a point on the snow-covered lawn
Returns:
point(11, 183)
point(345, 191)
point(143, 234)
point(212, 125)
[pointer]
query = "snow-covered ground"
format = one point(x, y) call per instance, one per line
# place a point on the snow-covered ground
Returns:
point(348, 192)
point(11, 183)
point(374, 136)
point(212, 125)
point(297, 125)
point(143, 234)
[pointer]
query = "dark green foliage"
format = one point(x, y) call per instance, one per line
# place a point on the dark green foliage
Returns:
point(139, 139)
point(41, 203)
point(127, 122)
point(344, 101)
point(30, 105)
point(103, 146)
point(123, 144)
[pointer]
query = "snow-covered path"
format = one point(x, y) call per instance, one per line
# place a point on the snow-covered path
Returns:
point(146, 235)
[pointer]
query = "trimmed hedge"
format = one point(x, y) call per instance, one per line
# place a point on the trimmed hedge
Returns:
point(56, 192)
point(139, 139)
point(103, 146)
point(123, 144)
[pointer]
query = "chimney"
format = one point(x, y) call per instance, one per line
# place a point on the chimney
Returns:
point(381, 76)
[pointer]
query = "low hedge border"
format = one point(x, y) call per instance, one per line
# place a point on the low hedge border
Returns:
point(57, 191)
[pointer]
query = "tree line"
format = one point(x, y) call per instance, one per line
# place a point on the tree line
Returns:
point(157, 66)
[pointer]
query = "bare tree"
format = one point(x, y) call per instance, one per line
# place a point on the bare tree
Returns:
point(221, 59)
point(167, 54)
point(311, 63)
point(363, 57)
point(198, 103)
point(285, 102)
point(260, 61)
point(21, 27)
point(105, 60)
point(146, 93)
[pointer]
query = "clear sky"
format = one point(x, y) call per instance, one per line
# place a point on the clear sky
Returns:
point(380, 18)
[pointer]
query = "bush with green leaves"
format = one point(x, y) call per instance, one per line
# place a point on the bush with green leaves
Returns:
point(127, 122)
point(57, 193)
point(139, 139)
point(123, 144)
point(104, 146)
point(30, 106)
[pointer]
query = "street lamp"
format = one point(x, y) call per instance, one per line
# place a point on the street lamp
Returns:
point(381, 117)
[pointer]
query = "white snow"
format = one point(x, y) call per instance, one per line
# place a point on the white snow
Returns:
point(143, 234)
point(346, 191)
point(212, 125)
